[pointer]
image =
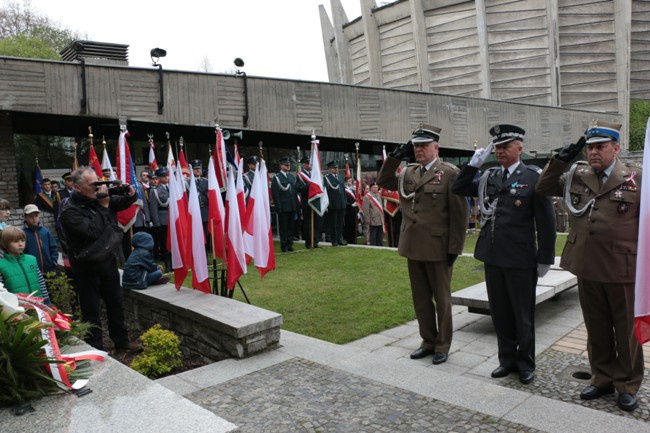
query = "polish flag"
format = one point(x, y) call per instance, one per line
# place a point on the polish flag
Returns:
point(216, 213)
point(359, 186)
point(196, 241)
point(170, 157)
point(153, 165)
point(258, 238)
point(106, 165)
point(177, 228)
point(93, 161)
point(391, 198)
point(317, 196)
point(235, 239)
point(185, 168)
point(220, 160)
point(241, 194)
point(642, 284)
point(126, 173)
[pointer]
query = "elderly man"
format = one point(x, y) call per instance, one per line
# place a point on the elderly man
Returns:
point(516, 244)
point(94, 239)
point(433, 233)
point(336, 209)
point(373, 217)
point(602, 196)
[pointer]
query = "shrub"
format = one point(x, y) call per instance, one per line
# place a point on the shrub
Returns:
point(161, 353)
point(639, 113)
point(61, 291)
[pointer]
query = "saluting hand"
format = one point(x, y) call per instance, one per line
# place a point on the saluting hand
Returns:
point(480, 156)
point(570, 151)
point(402, 151)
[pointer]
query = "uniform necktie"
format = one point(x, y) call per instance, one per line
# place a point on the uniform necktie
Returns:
point(602, 177)
point(504, 176)
point(423, 169)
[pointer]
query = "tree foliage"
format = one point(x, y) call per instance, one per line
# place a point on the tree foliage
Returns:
point(639, 113)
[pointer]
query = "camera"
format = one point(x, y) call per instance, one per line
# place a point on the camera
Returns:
point(115, 187)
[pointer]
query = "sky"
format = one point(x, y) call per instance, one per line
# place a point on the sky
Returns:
point(280, 39)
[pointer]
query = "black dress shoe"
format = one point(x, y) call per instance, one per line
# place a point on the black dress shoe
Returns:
point(501, 372)
point(591, 392)
point(526, 376)
point(290, 249)
point(439, 358)
point(421, 353)
point(627, 402)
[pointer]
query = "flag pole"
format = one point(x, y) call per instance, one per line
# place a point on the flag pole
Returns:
point(313, 138)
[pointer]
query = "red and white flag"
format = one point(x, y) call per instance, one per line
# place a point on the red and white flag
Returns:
point(317, 196)
point(185, 168)
point(106, 165)
point(171, 162)
point(216, 214)
point(153, 165)
point(235, 239)
point(220, 160)
point(258, 238)
point(642, 285)
point(177, 228)
point(241, 195)
point(359, 186)
point(198, 262)
point(126, 173)
point(391, 198)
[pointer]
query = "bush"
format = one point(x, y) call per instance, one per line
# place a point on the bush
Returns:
point(161, 353)
point(639, 113)
point(61, 291)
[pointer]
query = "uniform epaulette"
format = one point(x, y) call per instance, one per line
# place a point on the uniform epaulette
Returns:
point(450, 165)
point(534, 168)
point(413, 164)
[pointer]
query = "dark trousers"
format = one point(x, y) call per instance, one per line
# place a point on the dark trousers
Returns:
point(615, 356)
point(511, 293)
point(93, 285)
point(350, 225)
point(336, 217)
point(311, 219)
point(161, 235)
point(432, 281)
point(377, 236)
point(285, 229)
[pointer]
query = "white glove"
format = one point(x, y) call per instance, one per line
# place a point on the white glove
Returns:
point(480, 156)
point(542, 270)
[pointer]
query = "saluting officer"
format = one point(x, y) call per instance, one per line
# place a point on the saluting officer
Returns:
point(602, 196)
point(159, 214)
point(283, 189)
point(336, 208)
point(515, 222)
point(433, 233)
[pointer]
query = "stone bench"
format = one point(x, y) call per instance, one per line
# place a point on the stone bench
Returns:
point(213, 327)
point(554, 282)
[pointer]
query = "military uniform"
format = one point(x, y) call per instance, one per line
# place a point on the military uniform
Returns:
point(283, 189)
point(519, 236)
point(601, 251)
point(159, 214)
point(336, 208)
point(433, 227)
point(249, 176)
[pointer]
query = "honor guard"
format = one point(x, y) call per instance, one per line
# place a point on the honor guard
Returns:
point(310, 218)
point(516, 244)
point(602, 196)
point(336, 208)
point(433, 233)
point(159, 214)
point(202, 190)
point(251, 161)
point(283, 189)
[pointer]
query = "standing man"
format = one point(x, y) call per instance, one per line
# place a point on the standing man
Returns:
point(283, 189)
point(310, 219)
point(351, 212)
point(373, 217)
point(90, 224)
point(47, 200)
point(336, 208)
point(67, 185)
point(602, 196)
point(202, 190)
point(159, 214)
point(515, 222)
point(251, 161)
point(433, 233)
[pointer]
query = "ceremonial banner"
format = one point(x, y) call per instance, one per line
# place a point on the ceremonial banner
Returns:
point(258, 238)
point(642, 286)
point(241, 195)
point(216, 213)
point(38, 180)
point(185, 168)
point(93, 162)
point(177, 227)
point(317, 196)
point(106, 165)
point(153, 165)
point(235, 240)
point(391, 198)
point(196, 241)
point(126, 173)
point(220, 160)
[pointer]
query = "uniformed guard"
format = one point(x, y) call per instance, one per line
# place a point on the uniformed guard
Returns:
point(159, 214)
point(251, 161)
point(283, 189)
point(516, 244)
point(336, 209)
point(433, 233)
point(202, 190)
point(310, 218)
point(602, 196)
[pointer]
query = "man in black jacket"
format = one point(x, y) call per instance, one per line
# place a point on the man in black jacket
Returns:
point(89, 222)
point(283, 189)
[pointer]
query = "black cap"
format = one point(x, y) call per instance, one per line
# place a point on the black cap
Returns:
point(162, 172)
point(284, 161)
point(196, 163)
point(153, 176)
point(332, 164)
point(67, 175)
point(251, 160)
point(502, 134)
point(304, 160)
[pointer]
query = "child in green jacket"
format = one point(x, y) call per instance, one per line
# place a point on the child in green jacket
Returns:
point(18, 271)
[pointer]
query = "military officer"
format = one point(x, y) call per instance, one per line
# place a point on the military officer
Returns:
point(516, 244)
point(251, 161)
point(433, 233)
point(336, 209)
point(202, 190)
point(67, 183)
point(283, 189)
point(159, 214)
point(602, 197)
point(310, 218)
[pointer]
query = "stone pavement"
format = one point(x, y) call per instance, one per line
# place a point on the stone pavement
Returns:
point(371, 385)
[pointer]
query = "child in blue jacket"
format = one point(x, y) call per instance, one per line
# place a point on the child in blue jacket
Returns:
point(140, 270)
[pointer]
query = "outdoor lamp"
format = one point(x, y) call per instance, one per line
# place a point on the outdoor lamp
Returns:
point(156, 54)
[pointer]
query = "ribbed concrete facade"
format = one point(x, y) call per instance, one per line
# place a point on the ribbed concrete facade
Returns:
point(586, 54)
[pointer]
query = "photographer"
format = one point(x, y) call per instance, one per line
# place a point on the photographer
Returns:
point(89, 222)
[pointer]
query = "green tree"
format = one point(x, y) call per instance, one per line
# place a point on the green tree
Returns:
point(639, 113)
